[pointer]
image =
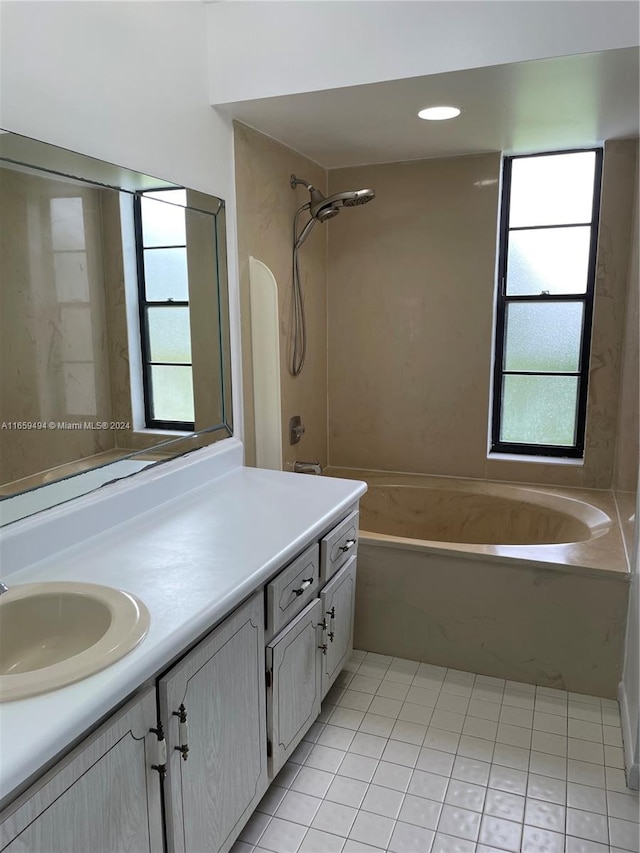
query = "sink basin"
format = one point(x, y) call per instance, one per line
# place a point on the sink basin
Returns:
point(52, 634)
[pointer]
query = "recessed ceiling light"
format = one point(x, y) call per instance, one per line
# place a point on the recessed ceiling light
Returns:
point(438, 113)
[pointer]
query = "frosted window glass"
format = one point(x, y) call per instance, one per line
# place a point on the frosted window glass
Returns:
point(543, 336)
point(552, 190)
point(551, 259)
point(165, 275)
point(169, 335)
point(162, 223)
point(67, 224)
point(539, 410)
point(172, 393)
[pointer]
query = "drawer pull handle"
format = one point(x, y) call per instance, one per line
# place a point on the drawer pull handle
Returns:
point(183, 732)
point(332, 628)
point(304, 585)
point(348, 544)
point(324, 648)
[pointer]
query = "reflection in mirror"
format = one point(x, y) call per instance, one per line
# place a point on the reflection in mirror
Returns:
point(115, 327)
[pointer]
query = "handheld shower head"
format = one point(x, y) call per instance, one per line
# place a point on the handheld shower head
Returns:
point(320, 208)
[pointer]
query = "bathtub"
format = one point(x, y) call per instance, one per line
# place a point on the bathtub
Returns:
point(526, 583)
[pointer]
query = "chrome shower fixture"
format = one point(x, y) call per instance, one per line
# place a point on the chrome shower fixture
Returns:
point(320, 208)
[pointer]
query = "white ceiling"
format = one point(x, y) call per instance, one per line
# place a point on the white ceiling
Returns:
point(547, 104)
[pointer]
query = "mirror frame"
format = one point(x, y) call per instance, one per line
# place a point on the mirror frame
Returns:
point(37, 157)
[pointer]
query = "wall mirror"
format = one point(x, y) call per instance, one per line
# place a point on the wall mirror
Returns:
point(114, 344)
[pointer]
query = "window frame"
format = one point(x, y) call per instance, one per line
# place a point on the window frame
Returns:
point(143, 305)
point(576, 450)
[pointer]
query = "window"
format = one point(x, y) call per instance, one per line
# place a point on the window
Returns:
point(548, 237)
point(163, 281)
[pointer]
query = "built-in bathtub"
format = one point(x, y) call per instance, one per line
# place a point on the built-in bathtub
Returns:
point(520, 582)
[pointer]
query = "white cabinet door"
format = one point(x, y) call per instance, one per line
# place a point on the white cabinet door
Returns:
point(220, 686)
point(102, 798)
point(293, 697)
point(338, 601)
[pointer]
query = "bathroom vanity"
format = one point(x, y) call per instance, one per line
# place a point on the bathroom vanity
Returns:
point(250, 582)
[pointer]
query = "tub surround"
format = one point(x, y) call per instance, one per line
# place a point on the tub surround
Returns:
point(416, 270)
point(191, 558)
point(604, 554)
point(552, 615)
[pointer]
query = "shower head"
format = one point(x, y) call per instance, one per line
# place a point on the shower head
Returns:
point(322, 208)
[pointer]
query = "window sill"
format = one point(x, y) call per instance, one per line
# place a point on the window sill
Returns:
point(536, 460)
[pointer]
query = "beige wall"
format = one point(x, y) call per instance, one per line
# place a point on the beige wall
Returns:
point(411, 292)
point(55, 364)
point(266, 208)
point(627, 443)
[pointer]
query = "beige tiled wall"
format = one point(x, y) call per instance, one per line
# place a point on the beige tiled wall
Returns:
point(627, 443)
point(55, 364)
point(266, 208)
point(411, 292)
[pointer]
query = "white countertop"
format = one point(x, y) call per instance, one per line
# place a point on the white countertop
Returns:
point(191, 560)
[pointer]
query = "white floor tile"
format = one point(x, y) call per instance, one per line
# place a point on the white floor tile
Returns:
point(316, 841)
point(466, 795)
point(471, 770)
point(298, 808)
point(334, 818)
point(398, 752)
point(374, 724)
point(420, 811)
point(429, 785)
point(624, 806)
point(347, 792)
point(358, 767)
point(312, 781)
point(412, 758)
point(624, 833)
point(508, 780)
point(587, 825)
point(548, 789)
point(408, 732)
point(476, 747)
point(372, 829)
point(545, 815)
point(448, 844)
point(369, 745)
point(282, 836)
point(503, 834)
point(407, 838)
point(393, 690)
point(335, 736)
point(412, 713)
point(536, 840)
point(586, 798)
point(461, 823)
point(504, 805)
point(382, 801)
point(393, 776)
point(435, 761)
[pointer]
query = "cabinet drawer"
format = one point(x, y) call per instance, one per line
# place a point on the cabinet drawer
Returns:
point(338, 546)
point(291, 590)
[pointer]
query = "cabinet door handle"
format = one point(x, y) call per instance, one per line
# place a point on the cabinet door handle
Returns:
point(332, 627)
point(183, 732)
point(348, 544)
point(161, 751)
point(306, 583)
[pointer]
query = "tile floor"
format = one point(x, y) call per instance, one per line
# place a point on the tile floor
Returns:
point(414, 758)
